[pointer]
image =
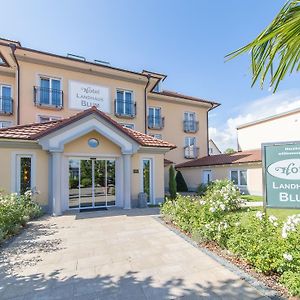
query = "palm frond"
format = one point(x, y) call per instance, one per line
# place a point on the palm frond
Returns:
point(275, 51)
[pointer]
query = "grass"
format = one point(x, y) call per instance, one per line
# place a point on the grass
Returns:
point(251, 198)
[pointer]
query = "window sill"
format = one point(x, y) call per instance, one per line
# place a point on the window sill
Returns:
point(125, 116)
point(49, 106)
point(5, 113)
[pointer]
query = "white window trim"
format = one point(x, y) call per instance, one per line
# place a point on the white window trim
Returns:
point(126, 124)
point(189, 138)
point(152, 181)
point(39, 76)
point(5, 85)
point(15, 169)
point(156, 118)
point(51, 118)
point(6, 121)
point(239, 176)
point(124, 99)
point(155, 135)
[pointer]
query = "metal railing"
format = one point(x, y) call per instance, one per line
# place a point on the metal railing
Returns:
point(191, 152)
point(190, 126)
point(125, 109)
point(156, 122)
point(48, 97)
point(6, 106)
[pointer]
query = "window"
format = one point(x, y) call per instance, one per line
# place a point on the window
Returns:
point(157, 136)
point(155, 121)
point(5, 124)
point(190, 123)
point(157, 88)
point(50, 91)
point(190, 141)
point(239, 177)
point(131, 126)
point(3, 62)
point(5, 99)
point(124, 103)
point(43, 119)
point(24, 174)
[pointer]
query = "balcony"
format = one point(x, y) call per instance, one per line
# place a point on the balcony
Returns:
point(125, 109)
point(48, 98)
point(191, 152)
point(6, 106)
point(190, 126)
point(156, 122)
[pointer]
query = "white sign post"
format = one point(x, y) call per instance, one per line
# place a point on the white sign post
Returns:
point(84, 95)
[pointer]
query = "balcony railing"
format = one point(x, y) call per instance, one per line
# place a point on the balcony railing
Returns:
point(156, 122)
point(191, 152)
point(190, 126)
point(125, 109)
point(47, 97)
point(6, 106)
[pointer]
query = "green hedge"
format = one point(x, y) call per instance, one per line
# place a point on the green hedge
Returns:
point(15, 212)
point(268, 244)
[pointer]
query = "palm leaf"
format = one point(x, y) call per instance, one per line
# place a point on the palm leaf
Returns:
point(276, 51)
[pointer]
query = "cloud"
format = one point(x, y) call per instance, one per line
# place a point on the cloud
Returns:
point(225, 136)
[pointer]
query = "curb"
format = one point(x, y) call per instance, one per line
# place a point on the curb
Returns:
point(259, 286)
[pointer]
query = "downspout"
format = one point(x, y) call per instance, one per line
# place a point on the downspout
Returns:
point(145, 98)
point(212, 106)
point(13, 48)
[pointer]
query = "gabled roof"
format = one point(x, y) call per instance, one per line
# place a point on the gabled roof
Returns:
point(36, 131)
point(224, 159)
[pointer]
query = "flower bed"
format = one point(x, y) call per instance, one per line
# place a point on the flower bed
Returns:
point(270, 245)
point(15, 212)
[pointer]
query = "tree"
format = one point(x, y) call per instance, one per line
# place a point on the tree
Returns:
point(276, 51)
point(229, 151)
point(172, 183)
point(180, 182)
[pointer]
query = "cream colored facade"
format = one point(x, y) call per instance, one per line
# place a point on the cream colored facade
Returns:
point(34, 65)
point(284, 127)
point(195, 176)
point(51, 166)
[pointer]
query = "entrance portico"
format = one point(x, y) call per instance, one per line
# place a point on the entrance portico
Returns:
point(92, 162)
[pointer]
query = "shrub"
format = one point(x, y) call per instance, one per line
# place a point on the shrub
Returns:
point(15, 212)
point(201, 189)
point(172, 183)
point(292, 281)
point(86, 182)
point(180, 182)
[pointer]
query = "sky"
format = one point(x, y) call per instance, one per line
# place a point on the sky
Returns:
point(186, 40)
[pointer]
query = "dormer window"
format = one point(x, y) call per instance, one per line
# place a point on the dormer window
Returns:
point(157, 88)
point(3, 62)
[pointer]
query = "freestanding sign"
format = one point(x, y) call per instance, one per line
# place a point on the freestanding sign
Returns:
point(281, 173)
point(84, 95)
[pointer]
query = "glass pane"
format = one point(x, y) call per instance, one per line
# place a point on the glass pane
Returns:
point(234, 177)
point(146, 178)
point(45, 91)
point(25, 176)
point(55, 92)
point(120, 102)
point(6, 99)
point(243, 177)
point(74, 183)
point(86, 183)
point(111, 182)
point(100, 183)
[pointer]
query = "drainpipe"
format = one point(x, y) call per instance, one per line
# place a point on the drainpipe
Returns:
point(13, 48)
point(145, 98)
point(212, 106)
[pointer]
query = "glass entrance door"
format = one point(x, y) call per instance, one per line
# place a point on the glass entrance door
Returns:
point(91, 183)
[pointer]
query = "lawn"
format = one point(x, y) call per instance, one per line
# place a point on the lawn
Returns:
point(251, 198)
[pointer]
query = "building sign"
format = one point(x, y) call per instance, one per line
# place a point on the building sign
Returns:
point(84, 95)
point(281, 167)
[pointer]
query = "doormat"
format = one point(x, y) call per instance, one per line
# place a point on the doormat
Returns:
point(92, 209)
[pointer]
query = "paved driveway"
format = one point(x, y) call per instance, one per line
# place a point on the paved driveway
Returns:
point(112, 255)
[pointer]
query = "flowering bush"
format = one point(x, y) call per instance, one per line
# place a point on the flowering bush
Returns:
point(15, 212)
point(270, 245)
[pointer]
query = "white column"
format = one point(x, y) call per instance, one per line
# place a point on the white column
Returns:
point(56, 183)
point(127, 180)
